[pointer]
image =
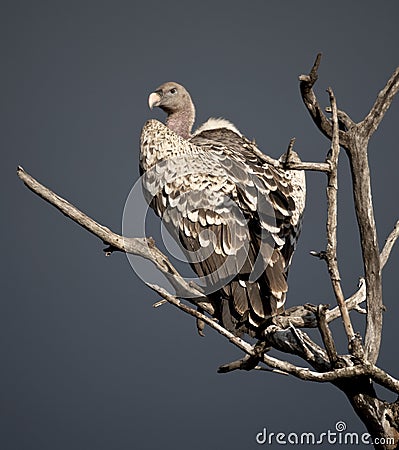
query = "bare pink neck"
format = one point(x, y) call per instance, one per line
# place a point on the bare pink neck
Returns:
point(182, 122)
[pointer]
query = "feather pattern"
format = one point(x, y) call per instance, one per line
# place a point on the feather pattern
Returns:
point(236, 216)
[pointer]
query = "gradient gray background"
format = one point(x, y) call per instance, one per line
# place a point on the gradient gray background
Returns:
point(86, 362)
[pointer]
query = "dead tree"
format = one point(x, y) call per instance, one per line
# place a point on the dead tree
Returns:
point(354, 373)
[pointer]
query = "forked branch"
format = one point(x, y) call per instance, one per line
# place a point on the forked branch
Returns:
point(355, 140)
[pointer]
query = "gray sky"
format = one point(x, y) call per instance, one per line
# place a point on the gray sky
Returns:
point(87, 363)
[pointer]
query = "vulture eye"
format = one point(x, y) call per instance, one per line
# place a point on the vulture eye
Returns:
point(173, 91)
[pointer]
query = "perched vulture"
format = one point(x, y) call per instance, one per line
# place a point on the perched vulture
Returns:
point(234, 213)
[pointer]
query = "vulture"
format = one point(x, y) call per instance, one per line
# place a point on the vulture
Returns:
point(235, 213)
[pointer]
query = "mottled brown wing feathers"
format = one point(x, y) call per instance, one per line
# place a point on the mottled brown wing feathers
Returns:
point(236, 217)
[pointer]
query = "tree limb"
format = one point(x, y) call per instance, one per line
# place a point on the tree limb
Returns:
point(144, 247)
point(366, 369)
point(381, 105)
point(312, 166)
point(389, 243)
point(357, 153)
point(310, 100)
point(360, 295)
point(326, 335)
point(355, 140)
point(332, 212)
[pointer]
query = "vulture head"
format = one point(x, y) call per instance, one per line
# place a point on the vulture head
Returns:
point(173, 98)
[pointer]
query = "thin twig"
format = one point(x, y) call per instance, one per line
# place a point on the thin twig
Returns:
point(239, 364)
point(351, 303)
point(389, 243)
point(360, 295)
point(332, 211)
point(292, 165)
point(326, 335)
point(308, 355)
point(240, 343)
point(381, 105)
point(288, 153)
point(310, 166)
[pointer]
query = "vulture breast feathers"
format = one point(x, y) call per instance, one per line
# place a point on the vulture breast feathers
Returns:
point(234, 213)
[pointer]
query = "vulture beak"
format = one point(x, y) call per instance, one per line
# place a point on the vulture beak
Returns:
point(154, 99)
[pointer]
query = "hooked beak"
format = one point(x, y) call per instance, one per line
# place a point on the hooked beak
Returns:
point(154, 99)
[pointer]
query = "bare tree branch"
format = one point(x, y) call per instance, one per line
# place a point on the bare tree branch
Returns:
point(381, 105)
point(351, 303)
point(144, 247)
point(332, 213)
point(292, 165)
point(296, 342)
point(389, 243)
point(366, 369)
point(355, 141)
point(326, 335)
point(310, 100)
point(288, 153)
point(360, 295)
point(357, 153)
point(237, 341)
point(246, 363)
point(312, 166)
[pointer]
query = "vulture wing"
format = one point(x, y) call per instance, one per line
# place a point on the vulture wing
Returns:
point(236, 216)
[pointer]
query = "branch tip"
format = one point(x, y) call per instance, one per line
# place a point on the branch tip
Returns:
point(159, 303)
point(320, 255)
